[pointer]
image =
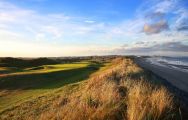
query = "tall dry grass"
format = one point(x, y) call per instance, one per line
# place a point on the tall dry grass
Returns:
point(118, 93)
point(148, 103)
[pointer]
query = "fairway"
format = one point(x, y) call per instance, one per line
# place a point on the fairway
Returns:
point(18, 85)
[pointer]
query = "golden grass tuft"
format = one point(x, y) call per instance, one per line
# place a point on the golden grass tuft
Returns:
point(146, 102)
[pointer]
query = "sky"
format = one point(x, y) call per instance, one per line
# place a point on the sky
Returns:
point(53, 28)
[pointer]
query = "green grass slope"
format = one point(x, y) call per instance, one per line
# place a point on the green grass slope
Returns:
point(22, 84)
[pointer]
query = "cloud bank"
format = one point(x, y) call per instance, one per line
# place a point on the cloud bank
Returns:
point(161, 49)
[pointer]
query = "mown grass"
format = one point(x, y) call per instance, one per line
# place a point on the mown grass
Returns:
point(28, 83)
point(42, 69)
point(119, 91)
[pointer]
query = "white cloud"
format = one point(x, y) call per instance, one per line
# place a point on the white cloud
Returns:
point(9, 35)
point(164, 6)
point(52, 25)
point(89, 21)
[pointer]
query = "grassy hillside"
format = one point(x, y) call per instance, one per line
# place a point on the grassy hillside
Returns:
point(21, 84)
point(120, 90)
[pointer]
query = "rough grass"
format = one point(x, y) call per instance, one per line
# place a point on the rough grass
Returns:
point(119, 92)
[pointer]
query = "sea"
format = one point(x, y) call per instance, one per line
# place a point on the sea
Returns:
point(180, 63)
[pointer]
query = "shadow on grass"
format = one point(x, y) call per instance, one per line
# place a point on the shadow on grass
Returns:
point(146, 76)
point(137, 75)
point(47, 80)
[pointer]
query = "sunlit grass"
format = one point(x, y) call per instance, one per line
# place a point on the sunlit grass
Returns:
point(46, 68)
point(3, 68)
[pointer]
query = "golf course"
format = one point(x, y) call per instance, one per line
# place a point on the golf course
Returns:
point(98, 88)
point(18, 84)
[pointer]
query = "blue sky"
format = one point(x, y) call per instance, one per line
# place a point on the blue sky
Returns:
point(33, 28)
point(98, 9)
